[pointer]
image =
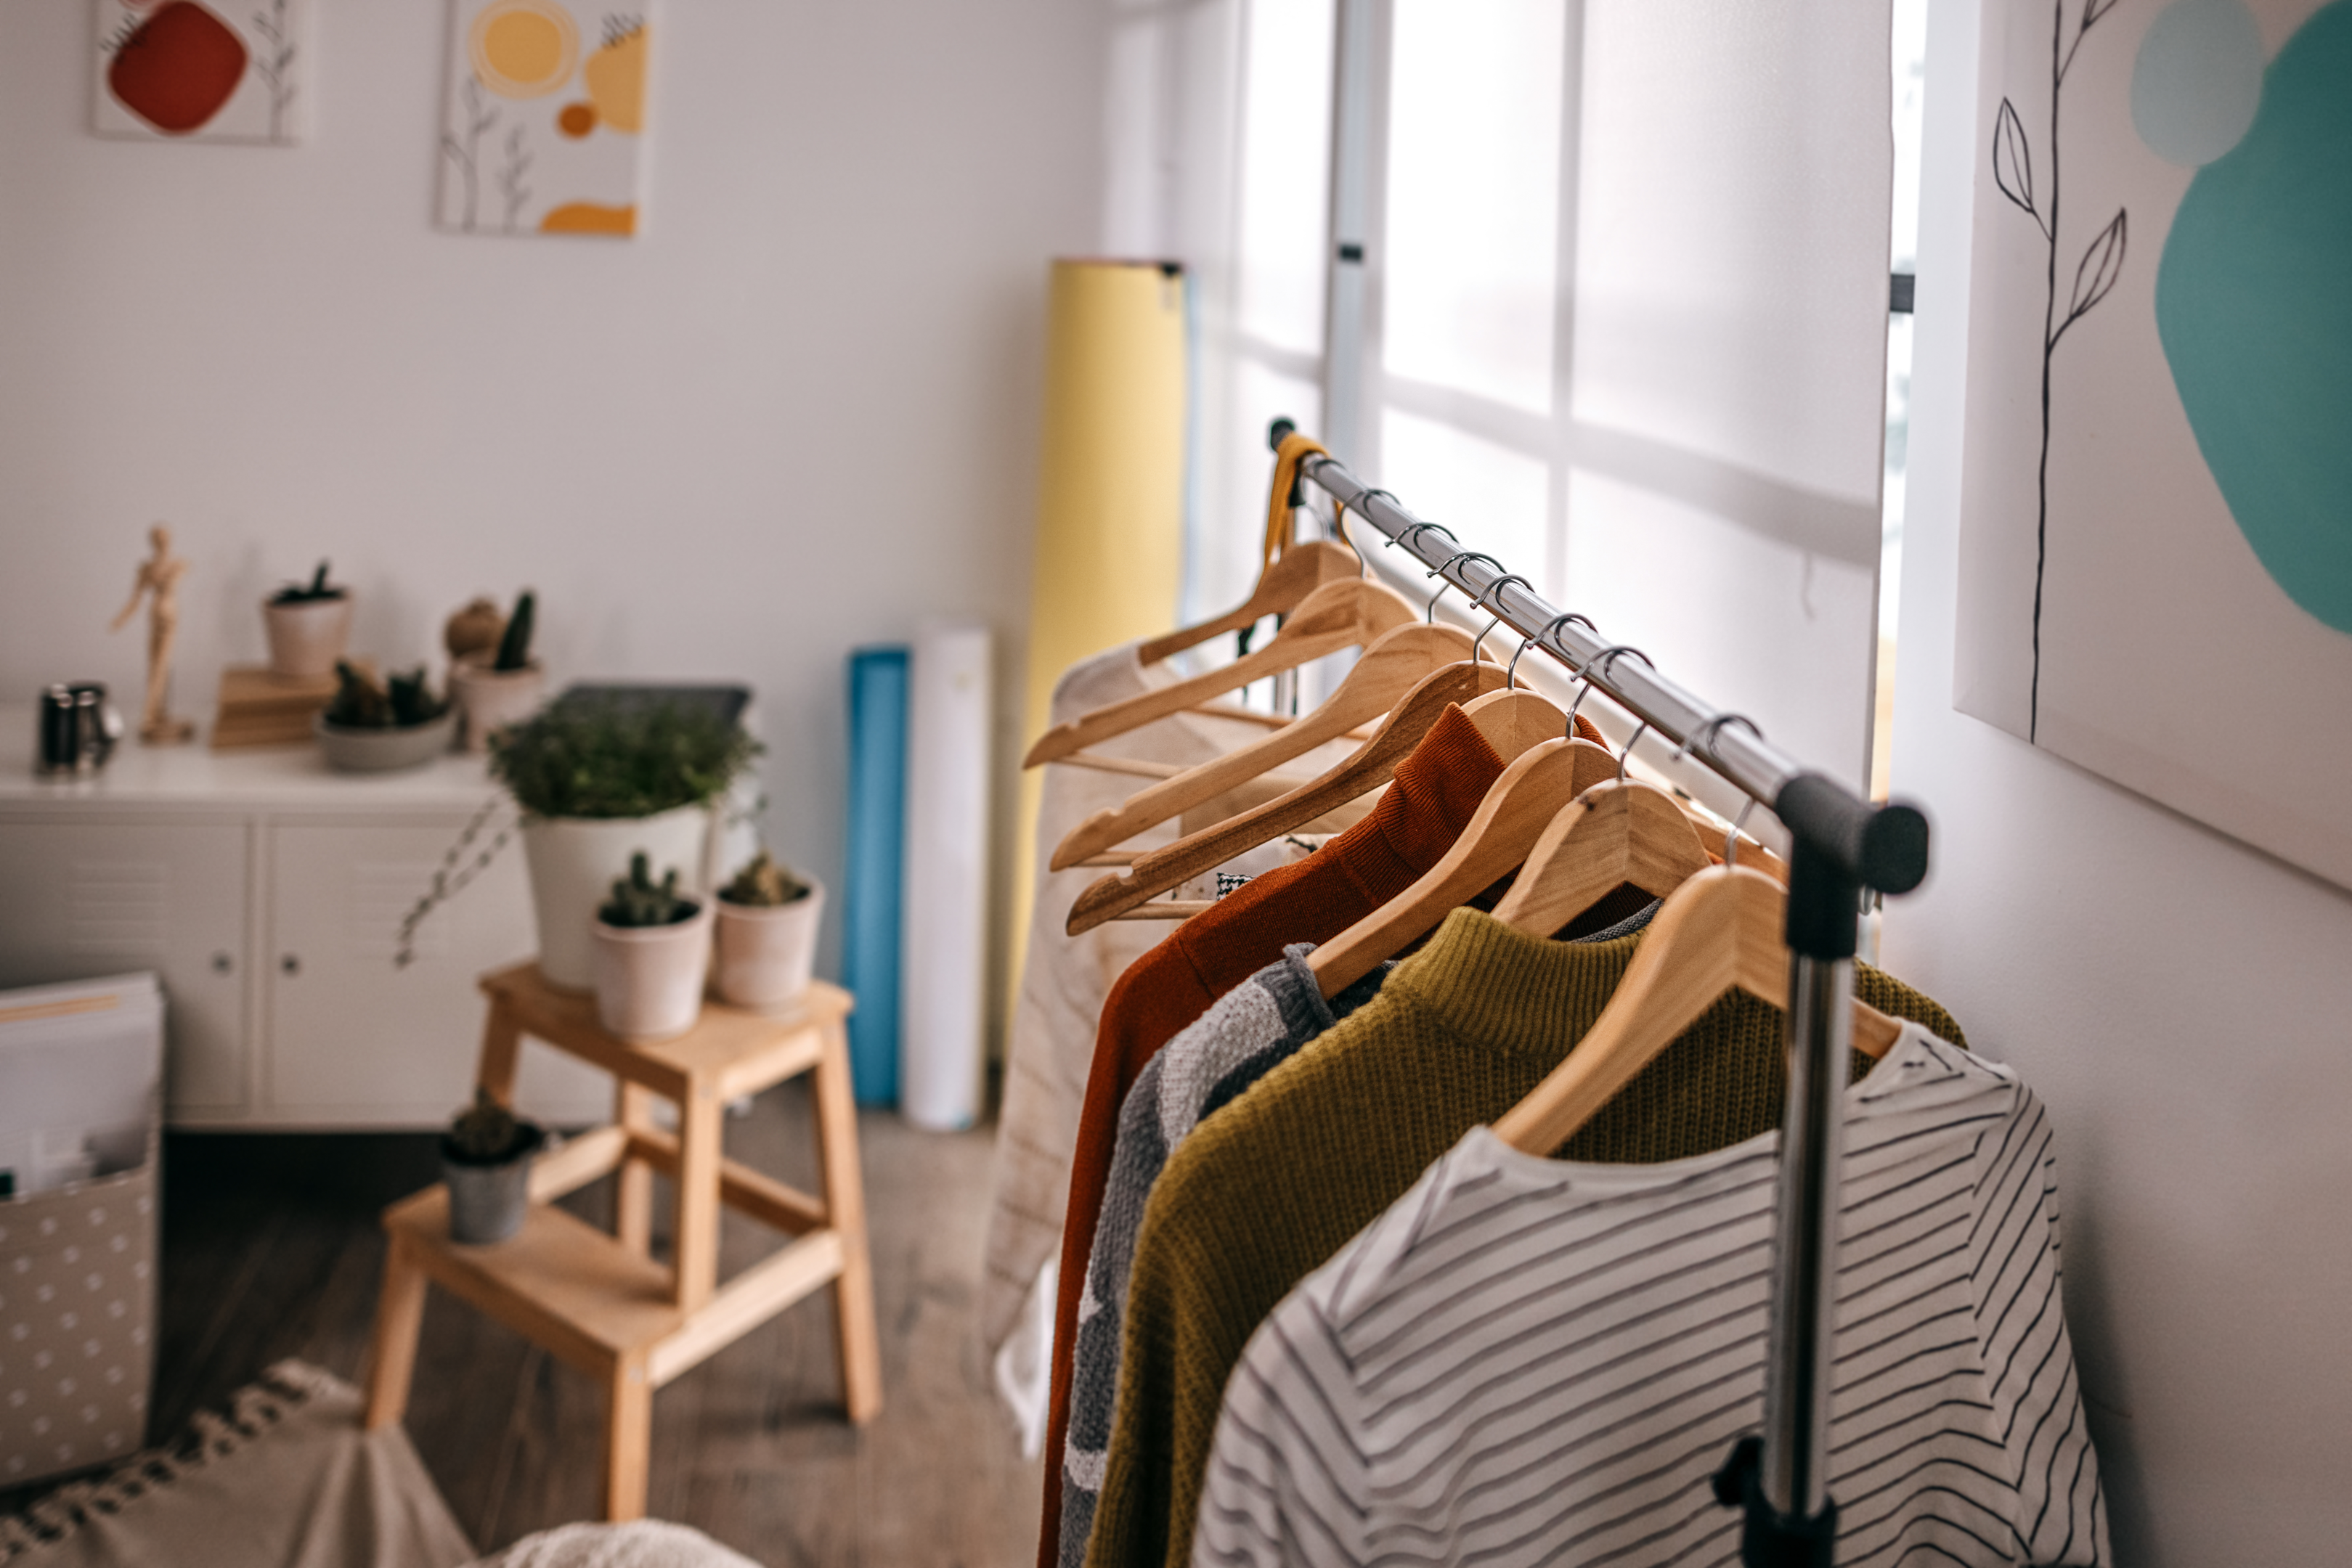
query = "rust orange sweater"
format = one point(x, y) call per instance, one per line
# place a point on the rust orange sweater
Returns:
point(1435, 793)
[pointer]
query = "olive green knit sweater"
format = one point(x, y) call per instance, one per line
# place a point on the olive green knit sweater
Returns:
point(1264, 1191)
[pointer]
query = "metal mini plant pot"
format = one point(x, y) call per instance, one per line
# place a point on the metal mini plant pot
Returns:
point(487, 1202)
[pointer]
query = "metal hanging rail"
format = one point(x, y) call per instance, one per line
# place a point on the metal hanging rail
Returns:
point(1840, 845)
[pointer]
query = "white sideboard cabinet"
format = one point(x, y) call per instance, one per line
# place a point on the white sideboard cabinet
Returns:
point(269, 891)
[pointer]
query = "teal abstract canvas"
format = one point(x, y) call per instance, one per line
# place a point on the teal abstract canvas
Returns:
point(2156, 540)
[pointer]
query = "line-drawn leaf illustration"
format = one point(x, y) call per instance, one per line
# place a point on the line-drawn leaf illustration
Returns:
point(2101, 265)
point(2093, 10)
point(2012, 159)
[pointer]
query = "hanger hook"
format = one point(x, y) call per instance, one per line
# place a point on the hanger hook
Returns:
point(1339, 532)
point(1583, 686)
point(1478, 648)
point(1705, 730)
point(1428, 611)
point(1607, 658)
point(1627, 754)
point(1602, 659)
point(1412, 530)
point(1554, 624)
point(1511, 674)
point(1364, 496)
point(1731, 839)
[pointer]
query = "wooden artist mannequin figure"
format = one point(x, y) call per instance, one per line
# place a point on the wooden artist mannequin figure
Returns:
point(159, 577)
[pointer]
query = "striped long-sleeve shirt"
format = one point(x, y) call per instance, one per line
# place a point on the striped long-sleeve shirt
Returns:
point(1533, 1361)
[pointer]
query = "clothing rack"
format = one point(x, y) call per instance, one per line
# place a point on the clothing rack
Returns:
point(1841, 847)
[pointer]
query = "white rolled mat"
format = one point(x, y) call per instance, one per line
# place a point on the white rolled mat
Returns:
point(944, 931)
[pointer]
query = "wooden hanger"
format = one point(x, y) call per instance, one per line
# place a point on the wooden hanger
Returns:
point(1621, 831)
point(1373, 764)
point(1287, 580)
point(1505, 826)
point(1225, 708)
point(1389, 669)
point(1514, 718)
point(1257, 792)
point(1717, 840)
point(1287, 571)
point(1509, 721)
point(1349, 613)
point(1722, 928)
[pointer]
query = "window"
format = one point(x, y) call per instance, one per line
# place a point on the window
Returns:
point(1622, 318)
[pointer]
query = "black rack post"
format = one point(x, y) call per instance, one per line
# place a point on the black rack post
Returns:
point(1840, 848)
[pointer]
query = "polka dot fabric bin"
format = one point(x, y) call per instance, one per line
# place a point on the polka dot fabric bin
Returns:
point(76, 1323)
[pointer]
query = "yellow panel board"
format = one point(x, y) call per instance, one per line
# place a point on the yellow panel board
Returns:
point(1110, 497)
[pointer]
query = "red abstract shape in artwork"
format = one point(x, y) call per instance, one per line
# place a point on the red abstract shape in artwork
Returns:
point(178, 70)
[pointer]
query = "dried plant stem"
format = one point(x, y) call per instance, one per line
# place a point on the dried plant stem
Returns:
point(452, 878)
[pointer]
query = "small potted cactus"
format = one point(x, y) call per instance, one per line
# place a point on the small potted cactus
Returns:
point(494, 680)
point(309, 624)
point(373, 727)
point(652, 956)
point(486, 1158)
point(766, 934)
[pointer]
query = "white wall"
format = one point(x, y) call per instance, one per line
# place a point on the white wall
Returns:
point(797, 415)
point(2184, 1005)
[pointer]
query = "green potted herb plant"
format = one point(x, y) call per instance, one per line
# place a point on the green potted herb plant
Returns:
point(372, 726)
point(595, 777)
point(486, 1159)
point(597, 780)
point(499, 684)
point(653, 954)
point(309, 624)
point(765, 941)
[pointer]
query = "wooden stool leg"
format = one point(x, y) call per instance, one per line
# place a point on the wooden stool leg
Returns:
point(399, 1316)
point(502, 1049)
point(632, 1202)
point(628, 1441)
point(845, 1203)
point(701, 1126)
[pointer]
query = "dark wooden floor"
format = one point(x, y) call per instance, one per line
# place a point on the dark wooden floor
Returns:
point(271, 1249)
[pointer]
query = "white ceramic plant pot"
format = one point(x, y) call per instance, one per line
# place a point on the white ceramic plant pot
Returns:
point(649, 977)
point(576, 861)
point(764, 955)
point(490, 699)
point(306, 638)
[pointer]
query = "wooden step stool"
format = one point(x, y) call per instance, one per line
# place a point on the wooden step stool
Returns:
point(600, 1301)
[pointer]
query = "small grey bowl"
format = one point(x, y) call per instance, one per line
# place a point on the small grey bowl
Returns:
point(383, 750)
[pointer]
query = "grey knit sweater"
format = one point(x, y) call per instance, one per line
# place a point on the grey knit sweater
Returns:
point(1249, 1030)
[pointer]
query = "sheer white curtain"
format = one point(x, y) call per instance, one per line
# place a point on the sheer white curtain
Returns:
point(1625, 303)
point(1219, 124)
point(1468, 275)
point(1631, 322)
point(1728, 377)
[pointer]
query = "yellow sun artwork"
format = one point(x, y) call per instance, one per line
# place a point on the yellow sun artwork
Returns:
point(523, 49)
point(616, 75)
point(543, 129)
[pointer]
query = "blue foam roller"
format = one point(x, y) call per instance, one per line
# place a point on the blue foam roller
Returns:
point(872, 872)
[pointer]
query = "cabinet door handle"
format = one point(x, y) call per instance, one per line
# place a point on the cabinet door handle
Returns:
point(222, 963)
point(291, 965)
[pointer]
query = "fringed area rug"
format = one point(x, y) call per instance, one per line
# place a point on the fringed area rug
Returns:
point(286, 1480)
